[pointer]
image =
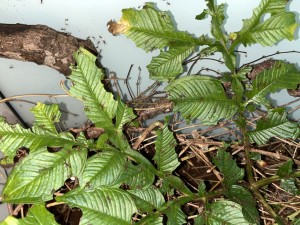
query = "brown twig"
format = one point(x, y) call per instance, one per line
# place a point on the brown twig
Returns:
point(33, 95)
point(127, 83)
point(145, 133)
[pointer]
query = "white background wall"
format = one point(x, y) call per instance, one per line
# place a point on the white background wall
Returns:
point(89, 18)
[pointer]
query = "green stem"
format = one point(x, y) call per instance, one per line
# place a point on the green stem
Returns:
point(247, 149)
point(138, 157)
point(151, 217)
point(179, 201)
point(252, 184)
point(269, 180)
point(266, 206)
point(215, 194)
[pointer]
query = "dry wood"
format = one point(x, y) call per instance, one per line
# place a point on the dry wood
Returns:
point(40, 44)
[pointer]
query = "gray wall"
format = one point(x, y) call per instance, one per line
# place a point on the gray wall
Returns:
point(89, 18)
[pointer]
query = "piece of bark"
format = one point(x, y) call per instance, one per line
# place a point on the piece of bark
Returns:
point(42, 45)
point(260, 67)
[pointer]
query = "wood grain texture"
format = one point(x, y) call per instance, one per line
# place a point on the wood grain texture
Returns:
point(41, 44)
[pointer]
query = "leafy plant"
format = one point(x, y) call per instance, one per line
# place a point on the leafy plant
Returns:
point(114, 184)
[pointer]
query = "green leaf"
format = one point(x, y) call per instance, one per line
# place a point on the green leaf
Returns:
point(244, 197)
point(237, 88)
point(103, 205)
point(138, 157)
point(153, 219)
point(101, 141)
point(103, 169)
point(275, 124)
point(217, 13)
point(99, 105)
point(148, 199)
point(281, 25)
point(226, 212)
point(242, 73)
point(201, 189)
point(175, 215)
point(137, 176)
point(296, 221)
point(124, 115)
point(286, 169)
point(156, 221)
point(168, 65)
point(231, 172)
point(201, 97)
point(39, 174)
point(199, 220)
point(289, 185)
point(150, 29)
point(15, 136)
point(280, 76)
point(177, 183)
point(255, 156)
point(46, 116)
point(37, 215)
point(165, 155)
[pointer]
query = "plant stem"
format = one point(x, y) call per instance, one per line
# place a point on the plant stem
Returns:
point(269, 180)
point(180, 201)
point(265, 204)
point(252, 184)
point(247, 149)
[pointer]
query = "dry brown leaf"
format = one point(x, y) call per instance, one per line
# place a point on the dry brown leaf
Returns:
point(116, 27)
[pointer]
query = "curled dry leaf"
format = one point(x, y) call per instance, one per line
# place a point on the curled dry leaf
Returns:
point(94, 132)
point(117, 27)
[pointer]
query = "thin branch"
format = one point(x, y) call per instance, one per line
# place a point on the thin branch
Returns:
point(204, 58)
point(113, 78)
point(145, 133)
point(62, 85)
point(34, 103)
point(54, 204)
point(291, 102)
point(194, 63)
point(33, 95)
point(138, 82)
point(208, 69)
point(294, 109)
point(267, 56)
point(273, 155)
point(127, 83)
point(155, 85)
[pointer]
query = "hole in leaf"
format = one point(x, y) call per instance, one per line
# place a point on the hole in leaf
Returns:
point(65, 215)
point(53, 149)
point(265, 17)
point(20, 154)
